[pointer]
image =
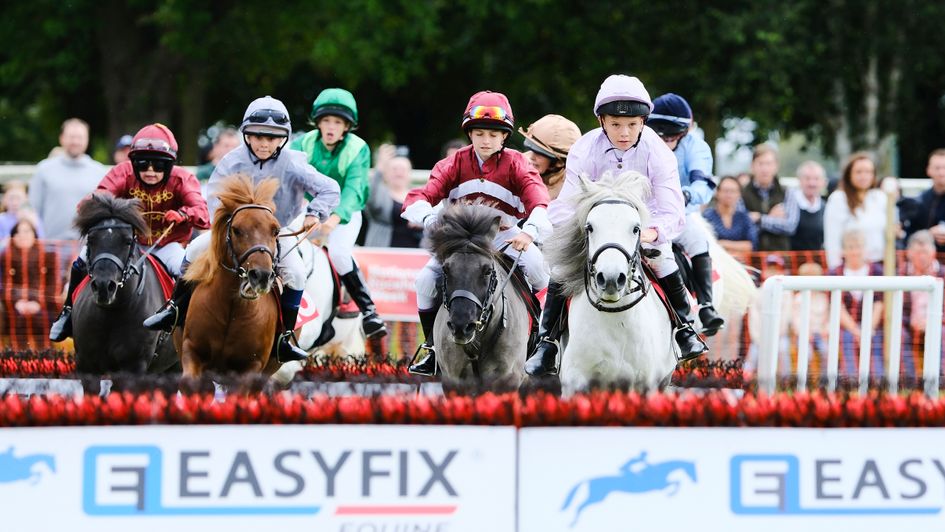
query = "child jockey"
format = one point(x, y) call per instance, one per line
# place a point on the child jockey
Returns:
point(548, 141)
point(624, 143)
point(343, 156)
point(169, 195)
point(671, 119)
point(484, 170)
point(266, 128)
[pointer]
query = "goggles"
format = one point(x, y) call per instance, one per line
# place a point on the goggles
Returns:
point(489, 112)
point(159, 145)
point(158, 165)
point(264, 115)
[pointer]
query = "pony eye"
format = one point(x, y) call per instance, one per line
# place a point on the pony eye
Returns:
point(636, 229)
point(237, 232)
point(589, 228)
point(275, 232)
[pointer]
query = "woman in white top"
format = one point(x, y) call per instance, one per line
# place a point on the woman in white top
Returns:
point(857, 203)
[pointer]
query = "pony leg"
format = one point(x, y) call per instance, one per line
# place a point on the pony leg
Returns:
point(192, 369)
point(673, 488)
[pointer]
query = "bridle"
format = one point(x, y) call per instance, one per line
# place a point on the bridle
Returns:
point(238, 261)
point(126, 266)
point(636, 280)
point(486, 310)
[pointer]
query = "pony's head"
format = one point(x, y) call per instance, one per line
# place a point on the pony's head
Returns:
point(610, 214)
point(110, 226)
point(244, 238)
point(462, 243)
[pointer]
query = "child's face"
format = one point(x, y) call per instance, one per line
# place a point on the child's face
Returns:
point(332, 129)
point(853, 251)
point(264, 146)
point(487, 141)
point(623, 131)
point(151, 172)
point(14, 199)
point(539, 162)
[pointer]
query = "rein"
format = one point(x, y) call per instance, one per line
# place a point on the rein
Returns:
point(238, 261)
point(635, 276)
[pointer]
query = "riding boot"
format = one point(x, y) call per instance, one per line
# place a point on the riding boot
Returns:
point(690, 344)
point(174, 310)
point(62, 327)
point(372, 323)
point(426, 365)
point(544, 360)
point(291, 299)
point(702, 280)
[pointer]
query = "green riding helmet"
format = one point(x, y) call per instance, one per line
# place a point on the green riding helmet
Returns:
point(336, 102)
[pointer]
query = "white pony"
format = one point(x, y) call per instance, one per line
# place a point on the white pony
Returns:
point(626, 334)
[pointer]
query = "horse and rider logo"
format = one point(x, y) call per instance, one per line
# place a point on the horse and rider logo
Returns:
point(649, 477)
point(14, 468)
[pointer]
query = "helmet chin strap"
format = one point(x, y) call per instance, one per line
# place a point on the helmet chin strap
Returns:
point(639, 137)
point(260, 160)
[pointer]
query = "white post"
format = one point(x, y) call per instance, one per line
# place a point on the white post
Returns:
point(933, 341)
point(770, 334)
point(833, 347)
point(895, 341)
point(866, 340)
point(803, 341)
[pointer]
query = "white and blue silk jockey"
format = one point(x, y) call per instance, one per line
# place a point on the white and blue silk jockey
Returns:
point(623, 143)
point(672, 120)
point(263, 155)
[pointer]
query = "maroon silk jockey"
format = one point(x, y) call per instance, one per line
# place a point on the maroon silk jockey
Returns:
point(489, 171)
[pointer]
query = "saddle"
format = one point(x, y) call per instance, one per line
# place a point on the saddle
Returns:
point(525, 292)
point(159, 269)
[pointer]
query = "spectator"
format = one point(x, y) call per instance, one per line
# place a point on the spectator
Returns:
point(122, 147)
point(768, 204)
point(389, 187)
point(733, 228)
point(819, 314)
point(929, 212)
point(855, 264)
point(857, 203)
point(14, 208)
point(451, 146)
point(30, 284)
point(809, 234)
point(61, 182)
point(920, 260)
point(226, 141)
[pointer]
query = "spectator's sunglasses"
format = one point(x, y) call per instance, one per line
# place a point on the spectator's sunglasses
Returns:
point(264, 115)
point(158, 165)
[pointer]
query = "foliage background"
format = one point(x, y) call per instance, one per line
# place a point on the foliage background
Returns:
point(847, 74)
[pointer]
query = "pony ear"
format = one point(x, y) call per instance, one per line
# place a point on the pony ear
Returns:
point(494, 229)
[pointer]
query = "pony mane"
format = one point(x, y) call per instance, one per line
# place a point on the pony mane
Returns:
point(235, 191)
point(567, 249)
point(101, 206)
point(464, 226)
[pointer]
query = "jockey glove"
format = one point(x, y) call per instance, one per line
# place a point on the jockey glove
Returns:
point(174, 216)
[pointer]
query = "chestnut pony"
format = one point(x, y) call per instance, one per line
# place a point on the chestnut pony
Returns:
point(231, 325)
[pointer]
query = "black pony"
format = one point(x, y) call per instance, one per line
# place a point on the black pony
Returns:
point(122, 292)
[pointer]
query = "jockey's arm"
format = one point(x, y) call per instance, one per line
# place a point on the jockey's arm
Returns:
point(700, 188)
point(419, 205)
point(668, 212)
point(534, 195)
point(326, 194)
point(192, 203)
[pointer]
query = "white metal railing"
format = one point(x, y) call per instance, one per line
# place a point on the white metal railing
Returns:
point(773, 292)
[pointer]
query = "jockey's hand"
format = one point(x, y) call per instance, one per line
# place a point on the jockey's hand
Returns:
point(648, 235)
point(330, 224)
point(520, 242)
point(309, 222)
point(175, 217)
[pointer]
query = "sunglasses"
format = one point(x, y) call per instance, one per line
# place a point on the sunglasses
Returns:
point(158, 165)
point(487, 111)
point(264, 115)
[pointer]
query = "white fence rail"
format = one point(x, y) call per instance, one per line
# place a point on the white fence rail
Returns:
point(773, 293)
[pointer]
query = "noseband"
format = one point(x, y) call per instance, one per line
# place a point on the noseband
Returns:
point(238, 261)
point(126, 266)
point(635, 276)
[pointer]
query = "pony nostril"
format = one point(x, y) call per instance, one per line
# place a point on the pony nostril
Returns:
point(621, 280)
point(449, 325)
point(469, 329)
point(112, 286)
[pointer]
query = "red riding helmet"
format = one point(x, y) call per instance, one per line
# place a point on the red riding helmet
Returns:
point(154, 141)
point(488, 110)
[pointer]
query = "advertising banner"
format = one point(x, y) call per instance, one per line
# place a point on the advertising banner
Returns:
point(390, 274)
point(240, 478)
point(603, 479)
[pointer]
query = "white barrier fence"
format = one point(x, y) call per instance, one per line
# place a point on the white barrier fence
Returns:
point(373, 478)
point(773, 292)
